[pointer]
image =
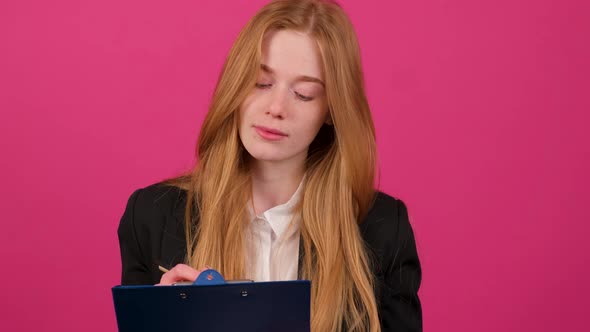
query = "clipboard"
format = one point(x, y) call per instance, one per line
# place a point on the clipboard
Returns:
point(215, 306)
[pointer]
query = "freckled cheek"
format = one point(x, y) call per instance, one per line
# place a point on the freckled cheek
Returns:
point(253, 103)
point(304, 131)
point(246, 104)
point(246, 111)
point(244, 121)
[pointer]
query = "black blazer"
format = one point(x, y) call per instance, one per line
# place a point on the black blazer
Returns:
point(151, 233)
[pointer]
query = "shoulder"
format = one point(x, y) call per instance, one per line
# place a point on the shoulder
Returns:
point(158, 197)
point(384, 203)
point(386, 212)
point(150, 207)
point(386, 227)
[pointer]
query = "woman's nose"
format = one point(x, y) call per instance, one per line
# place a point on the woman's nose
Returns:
point(278, 103)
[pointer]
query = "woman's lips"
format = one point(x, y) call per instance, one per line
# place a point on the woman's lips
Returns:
point(270, 133)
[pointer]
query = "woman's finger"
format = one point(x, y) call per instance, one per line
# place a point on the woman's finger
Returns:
point(180, 272)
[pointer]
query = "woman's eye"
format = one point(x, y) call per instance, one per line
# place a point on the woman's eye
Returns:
point(262, 85)
point(302, 97)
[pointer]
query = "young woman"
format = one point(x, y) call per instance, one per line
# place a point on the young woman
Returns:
point(284, 184)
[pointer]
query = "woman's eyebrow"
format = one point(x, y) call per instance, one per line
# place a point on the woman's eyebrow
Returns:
point(301, 78)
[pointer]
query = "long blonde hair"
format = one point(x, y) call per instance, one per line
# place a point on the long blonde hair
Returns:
point(340, 170)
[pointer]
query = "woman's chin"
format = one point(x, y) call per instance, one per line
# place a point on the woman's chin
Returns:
point(276, 155)
point(268, 156)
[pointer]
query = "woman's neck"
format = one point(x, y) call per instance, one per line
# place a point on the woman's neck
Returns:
point(274, 183)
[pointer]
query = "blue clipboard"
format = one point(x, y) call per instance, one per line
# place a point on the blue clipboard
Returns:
point(215, 306)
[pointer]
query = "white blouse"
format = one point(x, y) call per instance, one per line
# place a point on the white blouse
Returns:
point(272, 245)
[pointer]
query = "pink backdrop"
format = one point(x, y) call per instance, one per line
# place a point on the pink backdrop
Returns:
point(481, 110)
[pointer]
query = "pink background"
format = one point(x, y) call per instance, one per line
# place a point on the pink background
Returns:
point(482, 117)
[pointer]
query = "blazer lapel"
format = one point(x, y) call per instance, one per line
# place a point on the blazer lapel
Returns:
point(173, 243)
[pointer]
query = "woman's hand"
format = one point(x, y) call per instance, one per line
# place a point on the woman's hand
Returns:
point(180, 272)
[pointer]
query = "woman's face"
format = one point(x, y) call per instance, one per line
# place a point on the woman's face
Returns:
point(283, 113)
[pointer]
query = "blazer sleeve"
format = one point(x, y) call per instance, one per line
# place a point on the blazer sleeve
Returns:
point(402, 309)
point(133, 259)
